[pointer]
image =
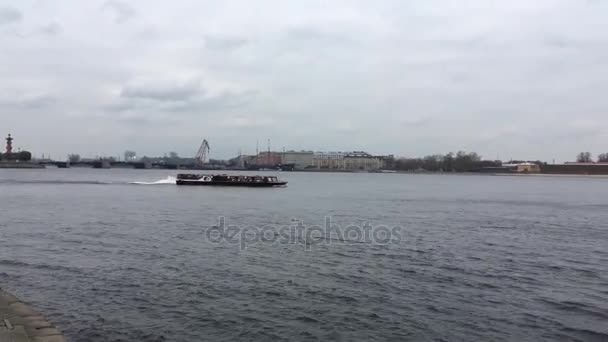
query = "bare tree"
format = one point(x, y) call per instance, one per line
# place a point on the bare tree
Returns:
point(130, 155)
point(451, 162)
point(73, 158)
point(603, 158)
point(584, 157)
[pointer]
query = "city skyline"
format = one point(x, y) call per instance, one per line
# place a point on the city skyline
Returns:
point(512, 79)
point(134, 155)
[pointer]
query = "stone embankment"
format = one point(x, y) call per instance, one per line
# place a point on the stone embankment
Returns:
point(20, 323)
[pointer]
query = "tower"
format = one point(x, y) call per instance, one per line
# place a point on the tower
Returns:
point(202, 156)
point(9, 144)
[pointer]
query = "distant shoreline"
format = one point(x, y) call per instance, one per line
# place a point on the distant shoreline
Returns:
point(18, 165)
point(29, 166)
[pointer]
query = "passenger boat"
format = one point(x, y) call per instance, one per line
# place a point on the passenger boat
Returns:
point(229, 180)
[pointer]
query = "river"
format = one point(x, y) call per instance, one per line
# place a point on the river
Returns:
point(124, 255)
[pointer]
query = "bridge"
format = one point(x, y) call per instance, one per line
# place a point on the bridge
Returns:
point(108, 164)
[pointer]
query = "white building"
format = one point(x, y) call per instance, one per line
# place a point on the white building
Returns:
point(300, 160)
point(359, 160)
point(329, 160)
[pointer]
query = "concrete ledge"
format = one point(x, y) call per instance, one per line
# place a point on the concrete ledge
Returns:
point(55, 338)
point(7, 298)
point(20, 323)
point(23, 310)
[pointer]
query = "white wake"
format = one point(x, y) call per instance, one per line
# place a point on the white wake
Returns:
point(168, 180)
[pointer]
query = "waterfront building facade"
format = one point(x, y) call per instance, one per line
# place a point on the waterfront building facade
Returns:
point(359, 160)
point(269, 159)
point(300, 160)
point(356, 160)
point(329, 160)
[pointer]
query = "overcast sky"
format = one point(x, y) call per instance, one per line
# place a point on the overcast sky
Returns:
point(522, 79)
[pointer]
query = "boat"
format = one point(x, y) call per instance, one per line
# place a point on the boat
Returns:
point(229, 180)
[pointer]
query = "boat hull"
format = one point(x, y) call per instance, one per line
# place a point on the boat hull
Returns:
point(225, 183)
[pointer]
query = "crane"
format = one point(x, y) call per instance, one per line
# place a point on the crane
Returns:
point(202, 155)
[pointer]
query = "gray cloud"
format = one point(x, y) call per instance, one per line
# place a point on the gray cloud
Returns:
point(518, 78)
point(27, 101)
point(121, 11)
point(9, 15)
point(412, 122)
point(314, 36)
point(155, 101)
point(52, 28)
point(163, 91)
point(224, 42)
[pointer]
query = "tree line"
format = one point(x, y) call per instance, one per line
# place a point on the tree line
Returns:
point(16, 156)
point(585, 157)
point(468, 162)
point(452, 162)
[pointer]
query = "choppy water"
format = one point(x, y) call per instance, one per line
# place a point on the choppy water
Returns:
point(478, 257)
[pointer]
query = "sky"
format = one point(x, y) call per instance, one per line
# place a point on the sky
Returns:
point(507, 79)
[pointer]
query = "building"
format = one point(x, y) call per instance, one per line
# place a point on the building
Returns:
point(269, 159)
point(576, 168)
point(359, 160)
point(300, 160)
point(522, 167)
point(329, 160)
point(513, 168)
point(388, 162)
point(528, 168)
point(242, 161)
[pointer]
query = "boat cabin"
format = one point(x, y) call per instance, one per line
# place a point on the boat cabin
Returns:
point(228, 178)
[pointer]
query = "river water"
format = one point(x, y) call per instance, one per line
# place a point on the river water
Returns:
point(450, 257)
